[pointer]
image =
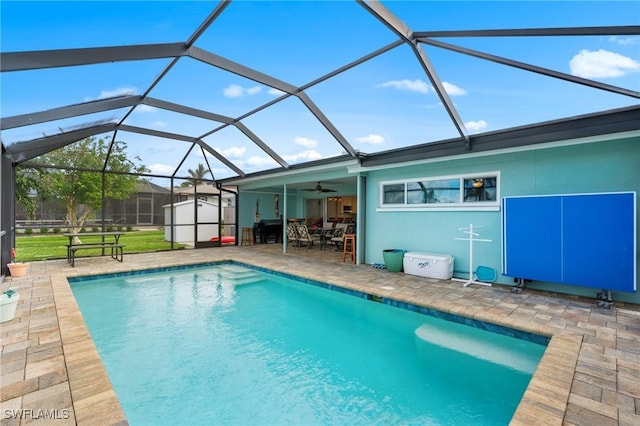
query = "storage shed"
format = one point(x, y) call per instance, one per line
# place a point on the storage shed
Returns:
point(184, 219)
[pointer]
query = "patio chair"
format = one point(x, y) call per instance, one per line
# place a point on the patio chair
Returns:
point(327, 225)
point(338, 238)
point(305, 237)
point(337, 234)
point(292, 235)
point(325, 236)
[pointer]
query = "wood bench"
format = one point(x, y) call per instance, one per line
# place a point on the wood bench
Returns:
point(117, 250)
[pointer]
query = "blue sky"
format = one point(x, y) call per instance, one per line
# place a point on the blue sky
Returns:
point(383, 104)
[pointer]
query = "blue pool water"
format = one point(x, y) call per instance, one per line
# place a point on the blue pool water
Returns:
point(228, 344)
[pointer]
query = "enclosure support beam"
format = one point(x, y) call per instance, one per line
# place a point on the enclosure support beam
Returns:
point(7, 210)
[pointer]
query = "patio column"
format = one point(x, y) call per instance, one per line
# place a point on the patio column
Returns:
point(285, 240)
point(7, 211)
point(361, 194)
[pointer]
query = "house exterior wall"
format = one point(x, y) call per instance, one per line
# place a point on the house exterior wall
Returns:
point(266, 201)
point(606, 166)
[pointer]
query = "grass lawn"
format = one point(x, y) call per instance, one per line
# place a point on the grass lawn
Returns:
point(54, 246)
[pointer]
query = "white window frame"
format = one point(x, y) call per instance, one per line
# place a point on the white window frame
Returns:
point(460, 205)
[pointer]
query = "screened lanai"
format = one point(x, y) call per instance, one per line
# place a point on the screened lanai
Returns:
point(252, 90)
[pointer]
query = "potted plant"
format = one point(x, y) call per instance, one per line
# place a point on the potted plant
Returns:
point(17, 269)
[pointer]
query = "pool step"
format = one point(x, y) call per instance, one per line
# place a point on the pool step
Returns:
point(239, 275)
point(465, 339)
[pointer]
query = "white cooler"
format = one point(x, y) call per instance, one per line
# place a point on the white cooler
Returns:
point(8, 304)
point(428, 265)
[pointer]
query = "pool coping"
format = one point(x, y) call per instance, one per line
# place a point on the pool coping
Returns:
point(545, 399)
point(94, 399)
point(598, 350)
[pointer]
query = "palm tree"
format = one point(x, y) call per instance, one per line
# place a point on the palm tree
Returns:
point(198, 174)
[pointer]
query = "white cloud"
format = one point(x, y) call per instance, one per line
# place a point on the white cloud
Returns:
point(476, 126)
point(162, 169)
point(422, 86)
point(307, 155)
point(105, 94)
point(159, 123)
point(371, 139)
point(258, 161)
point(233, 91)
point(275, 92)
point(122, 91)
point(602, 64)
point(220, 172)
point(626, 41)
point(232, 152)
point(306, 142)
point(237, 91)
point(453, 90)
point(145, 108)
point(410, 85)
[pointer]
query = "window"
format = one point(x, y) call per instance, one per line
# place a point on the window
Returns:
point(470, 192)
point(480, 189)
point(443, 191)
point(393, 194)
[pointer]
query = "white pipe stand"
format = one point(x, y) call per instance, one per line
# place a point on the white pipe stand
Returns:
point(471, 239)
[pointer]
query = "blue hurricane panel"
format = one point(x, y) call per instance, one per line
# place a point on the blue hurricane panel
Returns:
point(599, 249)
point(532, 238)
point(587, 240)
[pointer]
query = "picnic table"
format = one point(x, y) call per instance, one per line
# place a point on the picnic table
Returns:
point(113, 243)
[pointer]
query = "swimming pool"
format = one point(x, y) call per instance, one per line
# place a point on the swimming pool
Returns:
point(229, 344)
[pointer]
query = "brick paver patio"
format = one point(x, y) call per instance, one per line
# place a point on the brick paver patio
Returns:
point(589, 375)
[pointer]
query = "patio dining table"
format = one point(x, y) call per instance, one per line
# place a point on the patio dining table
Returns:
point(115, 234)
point(103, 244)
point(325, 235)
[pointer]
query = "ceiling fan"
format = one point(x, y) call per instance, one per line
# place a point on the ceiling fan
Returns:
point(319, 189)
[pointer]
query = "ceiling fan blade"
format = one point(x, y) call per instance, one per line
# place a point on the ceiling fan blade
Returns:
point(319, 189)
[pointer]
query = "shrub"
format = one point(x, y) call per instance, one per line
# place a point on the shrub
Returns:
point(110, 228)
point(57, 230)
point(83, 229)
point(28, 231)
point(95, 229)
point(44, 230)
point(129, 228)
point(120, 228)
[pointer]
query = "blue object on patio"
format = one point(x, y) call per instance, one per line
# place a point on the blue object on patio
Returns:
point(486, 274)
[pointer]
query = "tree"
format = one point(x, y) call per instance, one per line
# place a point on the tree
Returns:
point(81, 190)
point(198, 174)
point(28, 182)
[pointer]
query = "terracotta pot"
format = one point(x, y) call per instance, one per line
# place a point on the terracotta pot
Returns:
point(18, 269)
